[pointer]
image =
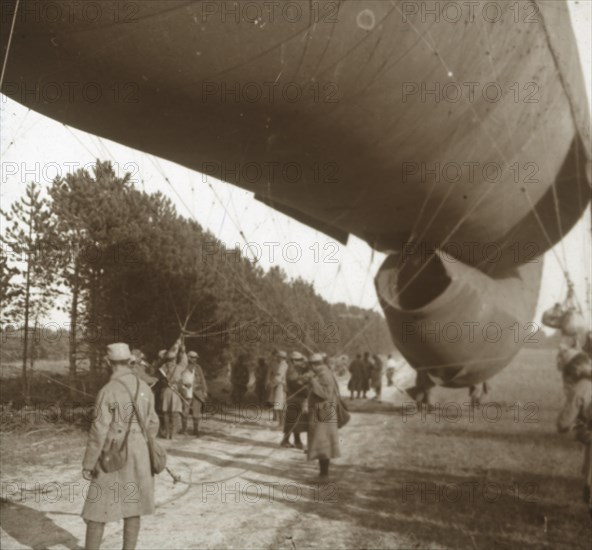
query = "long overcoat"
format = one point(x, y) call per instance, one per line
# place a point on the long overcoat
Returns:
point(323, 397)
point(195, 390)
point(359, 376)
point(276, 384)
point(130, 491)
point(296, 420)
point(170, 399)
point(376, 373)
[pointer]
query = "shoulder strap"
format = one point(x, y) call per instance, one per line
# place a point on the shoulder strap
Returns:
point(135, 406)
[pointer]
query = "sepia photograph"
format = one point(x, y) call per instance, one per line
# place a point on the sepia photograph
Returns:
point(295, 274)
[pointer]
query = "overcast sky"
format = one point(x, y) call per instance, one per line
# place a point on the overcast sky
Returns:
point(36, 148)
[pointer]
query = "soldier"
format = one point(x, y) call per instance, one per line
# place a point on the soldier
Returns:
point(356, 382)
point(115, 422)
point(195, 391)
point(323, 396)
point(276, 385)
point(260, 380)
point(171, 400)
point(391, 367)
point(140, 367)
point(159, 386)
point(368, 366)
point(376, 376)
point(296, 409)
point(239, 378)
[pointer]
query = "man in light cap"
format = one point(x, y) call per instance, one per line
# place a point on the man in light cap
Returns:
point(140, 366)
point(171, 399)
point(113, 424)
point(195, 390)
point(276, 385)
point(296, 420)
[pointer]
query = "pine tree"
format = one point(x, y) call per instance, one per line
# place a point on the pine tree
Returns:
point(31, 236)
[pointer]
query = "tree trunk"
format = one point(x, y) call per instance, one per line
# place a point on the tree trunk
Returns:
point(93, 318)
point(26, 395)
point(32, 357)
point(73, 348)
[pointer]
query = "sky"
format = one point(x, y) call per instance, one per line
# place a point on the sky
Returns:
point(34, 147)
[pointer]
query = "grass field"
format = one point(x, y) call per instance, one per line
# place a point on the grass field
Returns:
point(498, 478)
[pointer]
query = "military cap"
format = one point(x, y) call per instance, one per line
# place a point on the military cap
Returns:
point(316, 358)
point(296, 355)
point(282, 354)
point(118, 352)
point(193, 354)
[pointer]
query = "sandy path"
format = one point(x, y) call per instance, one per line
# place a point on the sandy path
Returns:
point(401, 482)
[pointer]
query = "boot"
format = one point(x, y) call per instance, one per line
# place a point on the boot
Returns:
point(94, 535)
point(297, 441)
point(167, 432)
point(183, 425)
point(324, 465)
point(131, 530)
point(196, 427)
point(170, 425)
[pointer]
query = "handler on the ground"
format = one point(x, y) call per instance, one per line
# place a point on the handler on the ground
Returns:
point(323, 399)
point(195, 391)
point(108, 497)
point(276, 385)
point(171, 402)
point(296, 417)
point(358, 381)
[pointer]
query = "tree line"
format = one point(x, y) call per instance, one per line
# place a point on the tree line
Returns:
point(123, 265)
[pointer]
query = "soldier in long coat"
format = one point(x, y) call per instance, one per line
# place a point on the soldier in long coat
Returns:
point(376, 376)
point(296, 417)
point(109, 497)
point(276, 385)
point(170, 398)
point(358, 380)
point(323, 397)
point(261, 379)
point(195, 391)
point(576, 414)
point(239, 378)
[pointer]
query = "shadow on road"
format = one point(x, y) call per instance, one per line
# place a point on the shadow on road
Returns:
point(33, 528)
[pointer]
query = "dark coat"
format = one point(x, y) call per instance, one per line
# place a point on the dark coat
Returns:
point(130, 491)
point(296, 420)
point(359, 377)
point(323, 437)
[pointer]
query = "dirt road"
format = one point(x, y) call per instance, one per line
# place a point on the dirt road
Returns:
point(497, 476)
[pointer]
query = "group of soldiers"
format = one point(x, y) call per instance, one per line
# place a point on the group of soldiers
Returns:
point(281, 384)
point(179, 385)
point(366, 373)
